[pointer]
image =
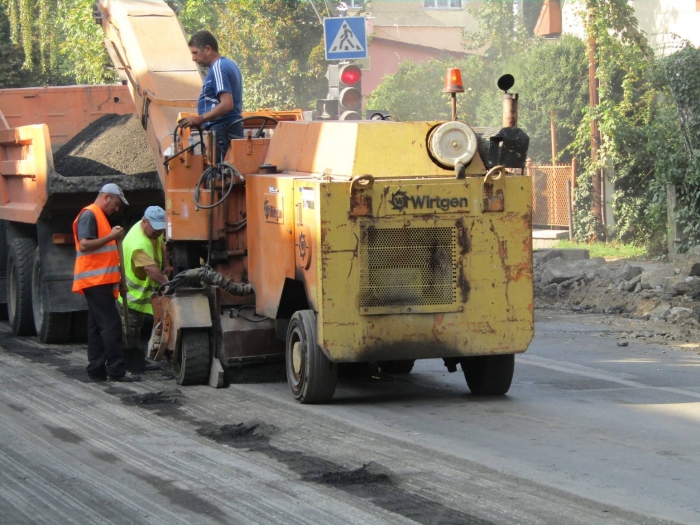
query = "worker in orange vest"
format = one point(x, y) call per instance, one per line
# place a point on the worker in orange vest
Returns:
point(97, 277)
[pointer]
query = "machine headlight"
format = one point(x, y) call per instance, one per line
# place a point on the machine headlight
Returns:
point(452, 143)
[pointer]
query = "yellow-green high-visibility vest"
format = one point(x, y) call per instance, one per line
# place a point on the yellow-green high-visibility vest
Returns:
point(138, 295)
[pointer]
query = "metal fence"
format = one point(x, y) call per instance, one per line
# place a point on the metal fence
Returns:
point(549, 193)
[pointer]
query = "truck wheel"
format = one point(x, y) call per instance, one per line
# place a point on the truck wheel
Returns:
point(489, 375)
point(402, 366)
point(51, 327)
point(192, 361)
point(3, 267)
point(311, 376)
point(20, 260)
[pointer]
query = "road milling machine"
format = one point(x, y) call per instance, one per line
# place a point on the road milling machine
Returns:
point(325, 243)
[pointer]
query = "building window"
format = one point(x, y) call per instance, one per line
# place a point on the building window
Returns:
point(442, 4)
point(355, 4)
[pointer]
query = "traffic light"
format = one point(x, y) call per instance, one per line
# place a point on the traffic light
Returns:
point(344, 100)
point(350, 92)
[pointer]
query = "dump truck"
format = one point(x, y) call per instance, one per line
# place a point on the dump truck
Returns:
point(327, 243)
point(38, 204)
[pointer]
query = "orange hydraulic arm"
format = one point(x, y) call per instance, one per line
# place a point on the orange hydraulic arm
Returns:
point(148, 46)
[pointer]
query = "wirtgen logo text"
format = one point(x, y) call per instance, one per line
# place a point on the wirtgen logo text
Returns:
point(400, 200)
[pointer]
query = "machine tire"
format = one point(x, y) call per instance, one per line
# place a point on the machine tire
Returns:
point(192, 361)
point(402, 366)
point(489, 375)
point(312, 378)
point(50, 327)
point(20, 262)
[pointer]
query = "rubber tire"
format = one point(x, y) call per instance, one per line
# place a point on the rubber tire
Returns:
point(192, 361)
point(401, 366)
point(51, 327)
point(20, 262)
point(489, 375)
point(3, 267)
point(317, 377)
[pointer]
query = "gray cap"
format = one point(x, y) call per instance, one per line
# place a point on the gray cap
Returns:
point(156, 216)
point(113, 189)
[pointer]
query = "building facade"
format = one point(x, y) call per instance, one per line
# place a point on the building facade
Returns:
point(667, 23)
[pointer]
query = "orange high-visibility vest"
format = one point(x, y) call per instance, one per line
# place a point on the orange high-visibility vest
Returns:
point(100, 266)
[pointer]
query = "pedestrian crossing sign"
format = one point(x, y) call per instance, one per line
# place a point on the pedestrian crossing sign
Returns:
point(345, 37)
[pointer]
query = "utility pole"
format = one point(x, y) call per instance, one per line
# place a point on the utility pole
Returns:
point(593, 103)
point(553, 131)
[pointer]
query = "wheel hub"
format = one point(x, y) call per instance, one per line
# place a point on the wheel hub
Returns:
point(296, 358)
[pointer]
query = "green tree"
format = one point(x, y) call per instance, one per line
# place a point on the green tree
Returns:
point(11, 57)
point(554, 79)
point(196, 15)
point(628, 92)
point(549, 76)
point(33, 25)
point(679, 155)
point(414, 92)
point(500, 30)
point(82, 57)
point(59, 42)
point(278, 46)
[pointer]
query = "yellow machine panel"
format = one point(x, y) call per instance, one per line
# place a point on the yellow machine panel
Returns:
point(352, 148)
point(400, 259)
point(411, 285)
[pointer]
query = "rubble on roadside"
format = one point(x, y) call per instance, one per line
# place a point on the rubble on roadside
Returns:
point(661, 292)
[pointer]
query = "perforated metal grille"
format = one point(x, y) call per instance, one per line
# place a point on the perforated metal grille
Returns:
point(408, 266)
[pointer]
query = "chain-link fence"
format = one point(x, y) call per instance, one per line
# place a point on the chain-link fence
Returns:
point(549, 193)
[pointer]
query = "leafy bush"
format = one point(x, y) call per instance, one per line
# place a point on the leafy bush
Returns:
point(682, 71)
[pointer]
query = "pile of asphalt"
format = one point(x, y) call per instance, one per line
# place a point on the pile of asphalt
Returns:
point(112, 145)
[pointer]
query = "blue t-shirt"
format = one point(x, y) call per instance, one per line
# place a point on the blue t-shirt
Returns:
point(223, 77)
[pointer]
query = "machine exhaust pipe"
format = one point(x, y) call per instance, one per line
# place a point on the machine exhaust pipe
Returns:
point(510, 110)
point(510, 102)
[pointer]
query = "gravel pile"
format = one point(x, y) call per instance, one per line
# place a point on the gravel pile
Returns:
point(112, 145)
point(661, 291)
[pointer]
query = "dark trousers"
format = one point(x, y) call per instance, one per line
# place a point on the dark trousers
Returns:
point(105, 345)
point(223, 141)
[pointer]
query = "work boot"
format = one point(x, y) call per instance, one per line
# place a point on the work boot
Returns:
point(151, 365)
point(126, 378)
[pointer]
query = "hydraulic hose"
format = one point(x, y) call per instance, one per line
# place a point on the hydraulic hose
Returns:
point(205, 276)
point(223, 168)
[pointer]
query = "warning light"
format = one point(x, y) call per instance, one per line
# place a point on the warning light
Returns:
point(453, 81)
point(350, 75)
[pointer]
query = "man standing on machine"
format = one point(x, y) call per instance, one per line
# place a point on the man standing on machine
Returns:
point(221, 100)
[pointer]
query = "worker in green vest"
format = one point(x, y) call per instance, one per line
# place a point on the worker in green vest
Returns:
point(144, 268)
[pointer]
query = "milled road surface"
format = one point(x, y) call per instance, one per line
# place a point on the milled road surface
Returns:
point(589, 433)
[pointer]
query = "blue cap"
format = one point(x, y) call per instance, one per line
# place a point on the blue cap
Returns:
point(156, 216)
point(113, 189)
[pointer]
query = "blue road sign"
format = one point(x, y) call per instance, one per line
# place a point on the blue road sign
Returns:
point(345, 37)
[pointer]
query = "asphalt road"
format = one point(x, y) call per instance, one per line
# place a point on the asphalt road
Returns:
point(589, 433)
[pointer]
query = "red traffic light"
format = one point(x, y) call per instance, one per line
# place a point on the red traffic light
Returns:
point(453, 81)
point(350, 75)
